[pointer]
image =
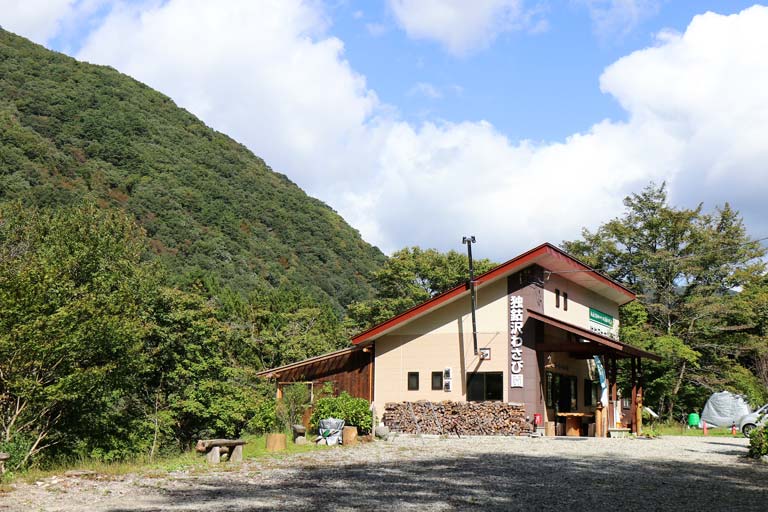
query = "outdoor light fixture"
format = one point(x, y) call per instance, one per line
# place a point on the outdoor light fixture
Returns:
point(584, 340)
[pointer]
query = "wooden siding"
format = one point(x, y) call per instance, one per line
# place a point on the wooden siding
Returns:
point(351, 372)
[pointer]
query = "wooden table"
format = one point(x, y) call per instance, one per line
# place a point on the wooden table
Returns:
point(573, 422)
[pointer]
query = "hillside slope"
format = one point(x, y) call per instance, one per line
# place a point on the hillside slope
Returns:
point(71, 130)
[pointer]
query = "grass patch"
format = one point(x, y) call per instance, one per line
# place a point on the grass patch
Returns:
point(161, 466)
point(677, 429)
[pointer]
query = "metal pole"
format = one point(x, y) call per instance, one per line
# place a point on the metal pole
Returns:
point(469, 240)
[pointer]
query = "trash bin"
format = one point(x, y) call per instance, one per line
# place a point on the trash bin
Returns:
point(693, 420)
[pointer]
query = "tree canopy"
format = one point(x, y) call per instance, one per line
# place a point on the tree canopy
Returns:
point(695, 274)
point(411, 276)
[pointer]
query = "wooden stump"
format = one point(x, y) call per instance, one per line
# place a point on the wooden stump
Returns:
point(276, 442)
point(349, 436)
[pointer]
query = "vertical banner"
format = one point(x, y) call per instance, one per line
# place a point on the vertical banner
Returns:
point(603, 383)
point(516, 341)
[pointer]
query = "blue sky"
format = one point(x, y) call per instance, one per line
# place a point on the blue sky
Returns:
point(518, 121)
point(541, 86)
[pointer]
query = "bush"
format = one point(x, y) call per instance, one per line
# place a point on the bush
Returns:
point(354, 411)
point(265, 418)
point(291, 407)
point(18, 448)
point(758, 442)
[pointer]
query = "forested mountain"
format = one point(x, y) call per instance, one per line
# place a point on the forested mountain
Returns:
point(71, 131)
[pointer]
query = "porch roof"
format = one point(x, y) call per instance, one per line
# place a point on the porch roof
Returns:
point(606, 345)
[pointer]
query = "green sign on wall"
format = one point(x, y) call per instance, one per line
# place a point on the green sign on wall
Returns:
point(599, 317)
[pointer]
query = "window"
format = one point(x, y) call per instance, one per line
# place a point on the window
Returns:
point(437, 381)
point(565, 301)
point(557, 298)
point(413, 381)
point(485, 386)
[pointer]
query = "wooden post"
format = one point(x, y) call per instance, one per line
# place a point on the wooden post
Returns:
point(633, 408)
point(276, 442)
point(599, 420)
point(612, 419)
point(639, 396)
point(349, 436)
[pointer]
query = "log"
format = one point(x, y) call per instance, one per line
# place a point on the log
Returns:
point(462, 418)
point(276, 442)
point(203, 445)
point(349, 436)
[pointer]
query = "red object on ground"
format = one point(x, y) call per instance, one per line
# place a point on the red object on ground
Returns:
point(733, 429)
point(537, 419)
point(705, 428)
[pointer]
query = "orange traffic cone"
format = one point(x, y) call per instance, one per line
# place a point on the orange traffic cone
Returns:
point(733, 429)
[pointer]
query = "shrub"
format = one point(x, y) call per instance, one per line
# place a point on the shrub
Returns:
point(17, 447)
point(354, 411)
point(758, 442)
point(265, 418)
point(291, 407)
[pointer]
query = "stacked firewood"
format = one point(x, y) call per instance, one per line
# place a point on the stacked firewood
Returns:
point(462, 418)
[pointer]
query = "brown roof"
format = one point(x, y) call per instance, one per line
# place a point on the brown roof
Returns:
point(547, 255)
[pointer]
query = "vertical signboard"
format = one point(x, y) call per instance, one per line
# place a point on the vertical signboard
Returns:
point(516, 341)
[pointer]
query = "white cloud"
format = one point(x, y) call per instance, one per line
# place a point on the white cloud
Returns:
point(697, 106)
point(376, 29)
point(460, 26)
point(38, 20)
point(427, 90)
point(617, 18)
point(260, 71)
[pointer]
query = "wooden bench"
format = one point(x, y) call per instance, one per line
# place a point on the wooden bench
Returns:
point(215, 448)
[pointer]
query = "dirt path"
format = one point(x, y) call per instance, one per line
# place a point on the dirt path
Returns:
point(673, 473)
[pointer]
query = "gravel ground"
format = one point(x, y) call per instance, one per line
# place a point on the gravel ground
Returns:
point(482, 473)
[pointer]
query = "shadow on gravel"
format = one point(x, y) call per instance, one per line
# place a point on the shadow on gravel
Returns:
point(488, 482)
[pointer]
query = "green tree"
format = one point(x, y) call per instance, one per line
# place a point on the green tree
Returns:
point(409, 277)
point(72, 316)
point(686, 267)
point(280, 326)
point(192, 383)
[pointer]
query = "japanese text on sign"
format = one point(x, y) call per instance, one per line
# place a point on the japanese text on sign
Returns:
point(515, 341)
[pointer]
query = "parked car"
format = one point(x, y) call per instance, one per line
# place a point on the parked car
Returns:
point(752, 420)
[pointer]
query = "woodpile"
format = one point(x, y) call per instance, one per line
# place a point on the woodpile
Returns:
point(462, 418)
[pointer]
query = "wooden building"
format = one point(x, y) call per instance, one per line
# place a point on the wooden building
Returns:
point(349, 369)
point(547, 330)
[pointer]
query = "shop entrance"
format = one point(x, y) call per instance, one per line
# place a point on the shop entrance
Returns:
point(562, 392)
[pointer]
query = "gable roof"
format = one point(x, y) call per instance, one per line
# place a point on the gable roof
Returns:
point(547, 255)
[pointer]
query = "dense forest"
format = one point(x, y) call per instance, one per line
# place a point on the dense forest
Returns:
point(73, 132)
point(150, 266)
